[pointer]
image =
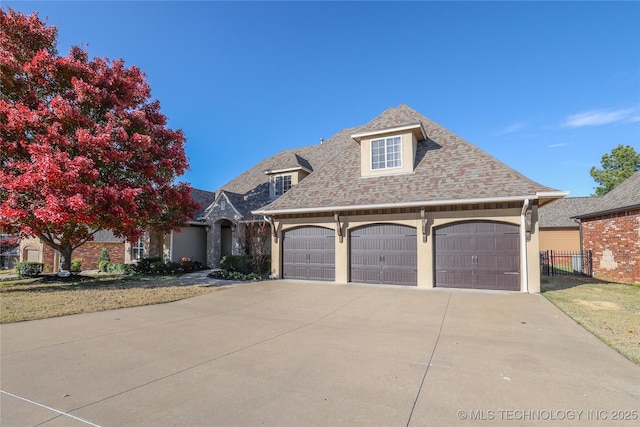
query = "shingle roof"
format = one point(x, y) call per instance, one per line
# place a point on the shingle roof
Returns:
point(250, 190)
point(106, 236)
point(624, 196)
point(203, 198)
point(448, 168)
point(560, 212)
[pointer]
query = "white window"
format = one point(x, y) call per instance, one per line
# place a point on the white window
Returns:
point(137, 249)
point(281, 184)
point(386, 153)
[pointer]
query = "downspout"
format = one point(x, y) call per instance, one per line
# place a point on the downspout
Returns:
point(336, 218)
point(523, 245)
point(579, 222)
point(171, 246)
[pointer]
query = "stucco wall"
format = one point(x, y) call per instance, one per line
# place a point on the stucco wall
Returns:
point(615, 242)
point(424, 248)
point(189, 242)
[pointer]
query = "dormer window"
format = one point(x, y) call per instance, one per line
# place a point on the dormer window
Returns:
point(389, 151)
point(281, 184)
point(386, 153)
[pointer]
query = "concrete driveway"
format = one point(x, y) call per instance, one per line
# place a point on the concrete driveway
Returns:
point(286, 353)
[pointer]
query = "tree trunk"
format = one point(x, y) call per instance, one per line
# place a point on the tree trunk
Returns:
point(65, 249)
point(65, 257)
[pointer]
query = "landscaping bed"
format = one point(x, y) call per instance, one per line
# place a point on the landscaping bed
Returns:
point(610, 311)
point(49, 296)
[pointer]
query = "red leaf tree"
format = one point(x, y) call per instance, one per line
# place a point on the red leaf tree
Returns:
point(83, 148)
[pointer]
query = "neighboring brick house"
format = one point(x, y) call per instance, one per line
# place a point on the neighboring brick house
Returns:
point(611, 229)
point(559, 230)
point(400, 200)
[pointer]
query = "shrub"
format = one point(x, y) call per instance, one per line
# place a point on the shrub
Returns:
point(157, 266)
point(239, 263)
point(103, 265)
point(76, 265)
point(234, 275)
point(118, 268)
point(144, 265)
point(28, 269)
point(102, 257)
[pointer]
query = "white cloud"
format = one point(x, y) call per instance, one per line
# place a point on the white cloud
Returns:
point(601, 117)
point(562, 144)
point(515, 127)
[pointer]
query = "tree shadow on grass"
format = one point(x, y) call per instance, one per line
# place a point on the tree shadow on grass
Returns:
point(76, 282)
point(555, 283)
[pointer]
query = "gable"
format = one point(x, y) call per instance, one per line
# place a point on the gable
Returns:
point(624, 196)
point(222, 207)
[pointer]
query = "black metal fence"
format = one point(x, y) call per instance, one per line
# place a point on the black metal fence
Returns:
point(566, 263)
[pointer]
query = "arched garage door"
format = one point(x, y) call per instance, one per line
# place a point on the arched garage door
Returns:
point(384, 253)
point(478, 255)
point(308, 253)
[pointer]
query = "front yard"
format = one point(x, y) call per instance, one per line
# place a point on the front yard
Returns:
point(31, 299)
point(610, 311)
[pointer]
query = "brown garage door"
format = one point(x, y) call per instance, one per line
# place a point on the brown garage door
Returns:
point(308, 253)
point(384, 253)
point(478, 255)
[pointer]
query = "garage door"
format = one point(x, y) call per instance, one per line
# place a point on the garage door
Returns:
point(478, 255)
point(384, 253)
point(308, 253)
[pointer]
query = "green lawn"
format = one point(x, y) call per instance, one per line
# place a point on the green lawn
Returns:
point(611, 311)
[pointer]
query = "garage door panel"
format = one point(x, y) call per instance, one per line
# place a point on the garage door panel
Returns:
point(365, 275)
point(478, 254)
point(384, 253)
point(403, 261)
point(454, 261)
point(398, 276)
point(453, 279)
point(497, 280)
point(308, 253)
point(507, 263)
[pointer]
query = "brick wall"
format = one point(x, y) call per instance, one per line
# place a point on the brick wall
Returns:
point(615, 242)
point(88, 252)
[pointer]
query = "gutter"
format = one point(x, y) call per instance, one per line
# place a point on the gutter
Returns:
point(332, 209)
point(605, 212)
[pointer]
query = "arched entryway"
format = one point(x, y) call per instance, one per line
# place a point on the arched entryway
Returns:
point(226, 238)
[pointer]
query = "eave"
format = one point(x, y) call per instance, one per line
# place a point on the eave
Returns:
point(607, 211)
point(284, 170)
point(417, 129)
point(546, 196)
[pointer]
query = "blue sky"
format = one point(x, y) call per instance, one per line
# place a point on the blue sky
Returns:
point(546, 87)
